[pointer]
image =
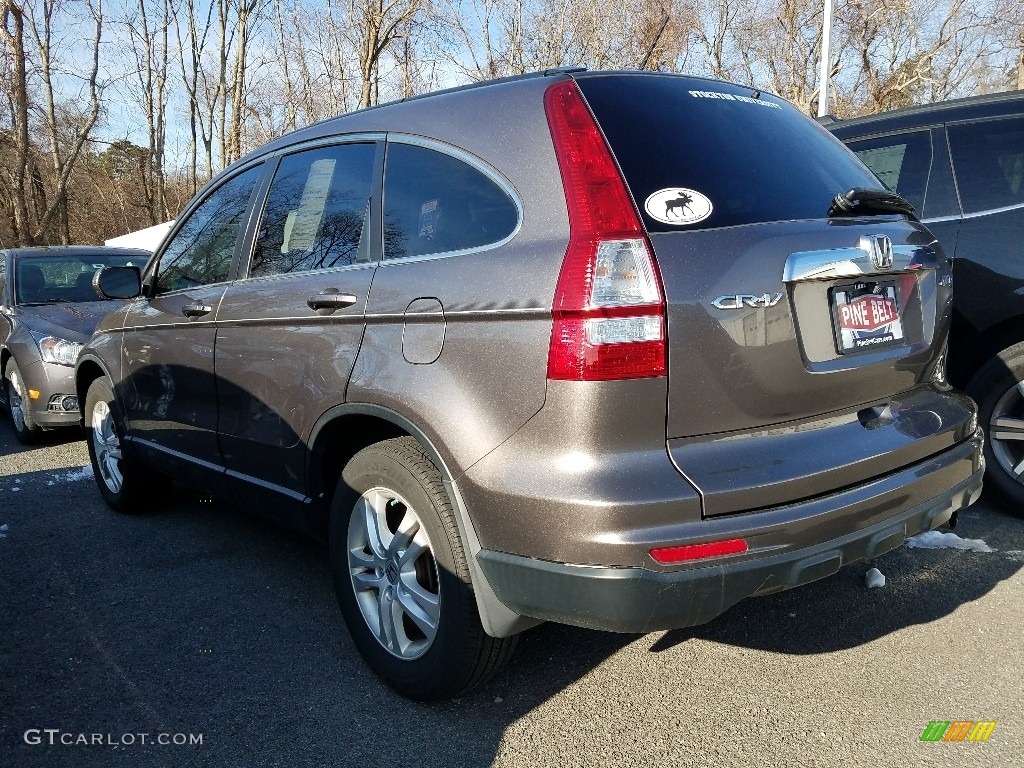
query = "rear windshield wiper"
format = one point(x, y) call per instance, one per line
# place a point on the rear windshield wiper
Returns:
point(861, 201)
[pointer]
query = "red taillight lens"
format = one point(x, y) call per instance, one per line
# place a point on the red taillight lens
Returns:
point(609, 312)
point(673, 555)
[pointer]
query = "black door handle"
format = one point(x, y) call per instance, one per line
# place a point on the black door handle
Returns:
point(196, 310)
point(331, 300)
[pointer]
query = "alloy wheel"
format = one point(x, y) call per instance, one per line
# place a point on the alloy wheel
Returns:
point(1006, 432)
point(15, 401)
point(107, 446)
point(394, 574)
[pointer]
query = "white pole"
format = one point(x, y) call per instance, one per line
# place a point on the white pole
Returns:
point(826, 60)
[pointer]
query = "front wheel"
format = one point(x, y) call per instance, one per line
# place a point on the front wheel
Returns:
point(402, 578)
point(27, 431)
point(998, 388)
point(118, 477)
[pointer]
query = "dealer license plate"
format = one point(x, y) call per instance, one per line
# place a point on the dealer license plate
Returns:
point(866, 316)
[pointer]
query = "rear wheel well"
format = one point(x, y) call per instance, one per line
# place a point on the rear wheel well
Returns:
point(969, 351)
point(336, 443)
point(5, 355)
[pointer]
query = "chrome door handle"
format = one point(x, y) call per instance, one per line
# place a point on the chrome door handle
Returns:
point(328, 300)
point(196, 310)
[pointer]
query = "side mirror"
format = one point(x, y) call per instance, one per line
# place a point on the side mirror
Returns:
point(117, 282)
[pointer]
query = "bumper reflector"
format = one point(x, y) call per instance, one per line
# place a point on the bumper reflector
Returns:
point(672, 555)
point(33, 394)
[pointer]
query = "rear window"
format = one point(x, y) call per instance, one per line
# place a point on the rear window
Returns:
point(748, 159)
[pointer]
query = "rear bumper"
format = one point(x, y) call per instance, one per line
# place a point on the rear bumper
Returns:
point(643, 599)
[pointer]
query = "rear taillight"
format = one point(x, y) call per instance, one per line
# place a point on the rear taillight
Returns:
point(609, 312)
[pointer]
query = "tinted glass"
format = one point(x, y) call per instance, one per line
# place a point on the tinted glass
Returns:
point(988, 158)
point(755, 160)
point(316, 211)
point(901, 162)
point(941, 199)
point(435, 203)
point(202, 249)
point(59, 279)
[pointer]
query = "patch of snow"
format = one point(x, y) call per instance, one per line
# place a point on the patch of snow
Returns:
point(15, 489)
point(874, 578)
point(940, 540)
point(74, 475)
point(1016, 555)
point(3, 531)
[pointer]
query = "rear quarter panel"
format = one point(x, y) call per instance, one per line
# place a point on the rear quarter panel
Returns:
point(490, 377)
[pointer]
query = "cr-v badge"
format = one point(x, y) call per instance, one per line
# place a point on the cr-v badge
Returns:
point(741, 300)
point(879, 248)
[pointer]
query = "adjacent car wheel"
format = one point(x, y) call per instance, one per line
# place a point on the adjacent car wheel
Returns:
point(25, 428)
point(117, 475)
point(998, 388)
point(402, 578)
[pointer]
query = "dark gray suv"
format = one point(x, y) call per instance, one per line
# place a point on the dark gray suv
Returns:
point(610, 349)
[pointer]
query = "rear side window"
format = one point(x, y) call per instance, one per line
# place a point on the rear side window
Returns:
point(750, 159)
point(901, 162)
point(988, 158)
point(200, 252)
point(316, 211)
point(436, 203)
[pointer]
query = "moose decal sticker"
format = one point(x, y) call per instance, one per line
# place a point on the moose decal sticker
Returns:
point(678, 205)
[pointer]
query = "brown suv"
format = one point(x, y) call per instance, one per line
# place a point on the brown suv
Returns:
point(611, 349)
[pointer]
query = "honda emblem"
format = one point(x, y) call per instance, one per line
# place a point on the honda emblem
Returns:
point(879, 248)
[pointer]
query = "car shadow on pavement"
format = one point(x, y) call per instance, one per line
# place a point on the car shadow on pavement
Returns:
point(199, 618)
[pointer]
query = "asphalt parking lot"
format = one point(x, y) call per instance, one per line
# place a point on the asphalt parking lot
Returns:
point(199, 620)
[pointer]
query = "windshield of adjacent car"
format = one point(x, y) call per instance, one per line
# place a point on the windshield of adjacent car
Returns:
point(63, 279)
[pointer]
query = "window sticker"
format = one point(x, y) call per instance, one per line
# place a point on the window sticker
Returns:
point(430, 211)
point(678, 205)
point(733, 97)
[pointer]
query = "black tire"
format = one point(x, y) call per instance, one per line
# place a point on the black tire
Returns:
point(386, 482)
point(118, 476)
point(25, 428)
point(998, 390)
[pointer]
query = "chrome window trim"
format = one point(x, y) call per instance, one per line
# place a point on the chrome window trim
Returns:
point(471, 160)
point(978, 214)
point(304, 273)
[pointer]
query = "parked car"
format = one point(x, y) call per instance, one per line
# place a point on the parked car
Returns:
point(961, 164)
point(48, 309)
point(610, 349)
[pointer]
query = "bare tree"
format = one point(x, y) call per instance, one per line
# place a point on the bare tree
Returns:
point(375, 26)
point(148, 32)
point(12, 31)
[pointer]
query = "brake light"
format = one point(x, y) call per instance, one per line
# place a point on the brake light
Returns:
point(609, 311)
point(687, 552)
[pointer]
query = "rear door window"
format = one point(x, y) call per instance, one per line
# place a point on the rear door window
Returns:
point(751, 155)
point(988, 158)
point(317, 211)
point(201, 251)
point(437, 203)
point(902, 162)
